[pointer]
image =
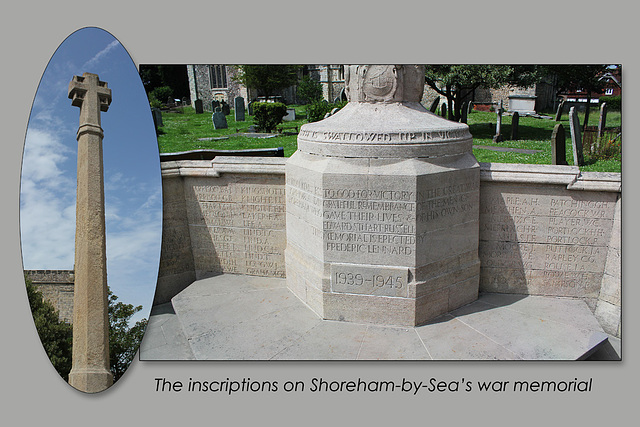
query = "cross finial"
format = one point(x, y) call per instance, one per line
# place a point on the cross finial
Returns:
point(91, 95)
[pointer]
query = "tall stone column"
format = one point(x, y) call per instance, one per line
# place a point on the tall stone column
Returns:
point(383, 206)
point(90, 362)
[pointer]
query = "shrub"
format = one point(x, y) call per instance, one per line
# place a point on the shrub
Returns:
point(268, 115)
point(317, 110)
point(613, 102)
point(159, 95)
point(309, 90)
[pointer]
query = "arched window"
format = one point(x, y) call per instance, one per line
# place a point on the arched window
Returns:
point(218, 76)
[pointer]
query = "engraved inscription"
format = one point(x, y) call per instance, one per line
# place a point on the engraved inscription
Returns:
point(369, 280)
point(238, 227)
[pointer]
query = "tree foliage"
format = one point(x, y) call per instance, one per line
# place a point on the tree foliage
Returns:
point(585, 77)
point(457, 82)
point(268, 115)
point(124, 340)
point(267, 79)
point(309, 90)
point(56, 336)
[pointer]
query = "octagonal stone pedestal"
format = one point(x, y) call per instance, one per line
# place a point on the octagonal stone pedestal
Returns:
point(382, 214)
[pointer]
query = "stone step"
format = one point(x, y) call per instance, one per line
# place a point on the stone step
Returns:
point(241, 317)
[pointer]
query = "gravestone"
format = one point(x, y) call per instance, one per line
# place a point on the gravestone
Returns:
point(198, 106)
point(90, 355)
point(214, 104)
point(602, 122)
point(157, 118)
point(219, 119)
point(464, 111)
point(226, 109)
point(434, 104)
point(498, 136)
point(382, 206)
point(250, 108)
point(558, 146)
point(238, 108)
point(469, 107)
point(576, 137)
point(290, 116)
point(515, 124)
point(559, 112)
point(443, 111)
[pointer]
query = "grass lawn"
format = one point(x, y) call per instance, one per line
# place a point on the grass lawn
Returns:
point(182, 130)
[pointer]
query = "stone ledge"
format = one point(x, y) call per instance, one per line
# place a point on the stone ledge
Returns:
point(226, 164)
point(551, 174)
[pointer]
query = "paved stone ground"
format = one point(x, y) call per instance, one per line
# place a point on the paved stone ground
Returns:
point(235, 317)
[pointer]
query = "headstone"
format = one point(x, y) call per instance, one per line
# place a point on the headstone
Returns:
point(469, 108)
point(498, 136)
point(250, 108)
point(602, 122)
point(198, 106)
point(443, 111)
point(558, 146)
point(434, 104)
point(226, 109)
point(383, 221)
point(215, 104)
point(238, 108)
point(157, 118)
point(559, 112)
point(576, 137)
point(90, 355)
point(291, 115)
point(515, 124)
point(464, 111)
point(219, 119)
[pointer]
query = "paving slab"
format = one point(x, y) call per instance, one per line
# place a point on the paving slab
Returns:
point(238, 317)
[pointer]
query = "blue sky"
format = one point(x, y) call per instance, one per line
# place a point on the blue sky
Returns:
point(133, 194)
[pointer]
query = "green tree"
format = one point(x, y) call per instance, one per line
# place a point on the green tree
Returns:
point(309, 90)
point(124, 340)
point(267, 79)
point(457, 82)
point(585, 77)
point(56, 336)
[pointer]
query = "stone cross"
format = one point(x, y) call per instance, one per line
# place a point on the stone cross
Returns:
point(90, 357)
point(498, 136)
point(576, 137)
point(559, 112)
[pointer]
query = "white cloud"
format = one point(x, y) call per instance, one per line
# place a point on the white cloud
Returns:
point(93, 61)
point(47, 203)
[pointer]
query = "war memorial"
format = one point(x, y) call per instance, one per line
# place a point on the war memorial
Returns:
point(382, 237)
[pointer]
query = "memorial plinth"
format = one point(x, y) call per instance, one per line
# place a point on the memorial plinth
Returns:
point(382, 206)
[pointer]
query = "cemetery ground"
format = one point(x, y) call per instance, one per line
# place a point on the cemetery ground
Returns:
point(183, 130)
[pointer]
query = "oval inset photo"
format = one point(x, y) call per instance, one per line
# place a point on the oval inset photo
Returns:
point(91, 210)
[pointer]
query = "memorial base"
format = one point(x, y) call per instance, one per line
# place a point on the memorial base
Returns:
point(385, 241)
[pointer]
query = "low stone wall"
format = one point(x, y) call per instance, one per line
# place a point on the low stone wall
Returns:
point(544, 230)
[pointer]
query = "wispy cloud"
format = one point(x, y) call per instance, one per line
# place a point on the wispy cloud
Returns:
point(47, 203)
point(93, 61)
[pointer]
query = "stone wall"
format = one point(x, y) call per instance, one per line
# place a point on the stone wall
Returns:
point(221, 216)
point(544, 230)
point(57, 288)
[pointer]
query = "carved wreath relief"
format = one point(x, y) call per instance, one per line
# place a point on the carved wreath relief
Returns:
point(384, 83)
